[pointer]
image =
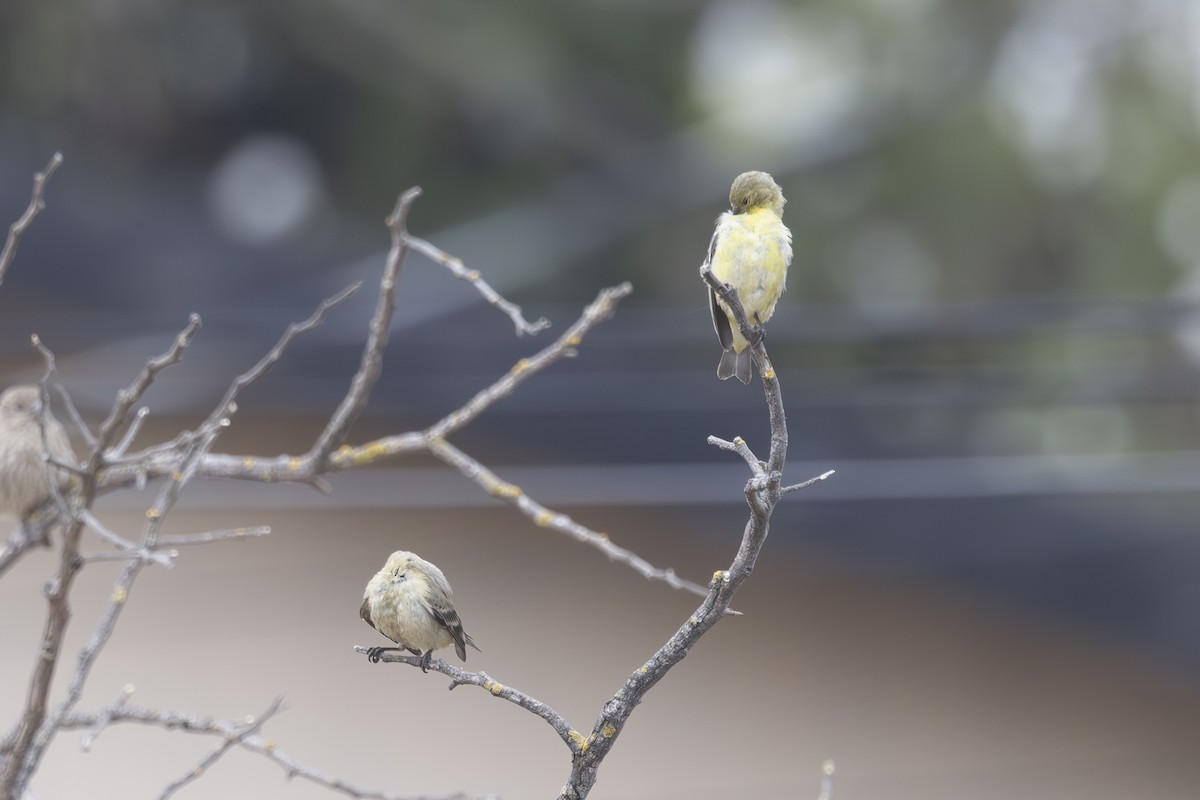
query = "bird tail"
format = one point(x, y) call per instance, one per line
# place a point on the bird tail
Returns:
point(734, 363)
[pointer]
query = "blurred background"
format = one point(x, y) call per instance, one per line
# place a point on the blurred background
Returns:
point(991, 332)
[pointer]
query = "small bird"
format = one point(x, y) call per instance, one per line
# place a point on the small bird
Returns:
point(24, 474)
point(750, 250)
point(410, 602)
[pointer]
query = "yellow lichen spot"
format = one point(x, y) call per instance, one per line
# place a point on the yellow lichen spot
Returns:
point(520, 366)
point(644, 668)
point(473, 275)
point(176, 475)
point(608, 731)
point(578, 739)
point(239, 531)
point(543, 518)
point(505, 490)
point(293, 463)
point(269, 746)
point(248, 462)
point(739, 441)
point(602, 536)
point(345, 450)
point(119, 595)
point(494, 688)
point(574, 340)
point(153, 513)
point(769, 375)
point(197, 772)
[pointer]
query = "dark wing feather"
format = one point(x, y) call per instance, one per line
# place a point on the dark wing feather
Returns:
point(719, 317)
point(720, 321)
point(365, 613)
point(448, 618)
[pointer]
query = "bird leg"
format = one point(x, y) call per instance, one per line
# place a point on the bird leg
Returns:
point(425, 660)
point(757, 332)
point(374, 653)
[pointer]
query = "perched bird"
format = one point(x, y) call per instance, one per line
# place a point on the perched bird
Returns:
point(409, 601)
point(24, 474)
point(750, 250)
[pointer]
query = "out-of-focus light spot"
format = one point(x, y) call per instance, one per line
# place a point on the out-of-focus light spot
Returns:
point(886, 272)
point(265, 190)
point(1171, 56)
point(206, 56)
point(1046, 93)
point(770, 73)
point(1179, 222)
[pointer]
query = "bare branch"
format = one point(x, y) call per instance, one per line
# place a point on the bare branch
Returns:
point(52, 375)
point(795, 487)
point(252, 727)
point(472, 276)
point(600, 309)
point(739, 446)
point(155, 516)
point(131, 433)
point(106, 717)
point(36, 204)
point(459, 677)
point(19, 542)
point(127, 548)
point(546, 518)
point(296, 329)
point(175, 720)
point(763, 492)
point(226, 535)
point(128, 396)
point(377, 336)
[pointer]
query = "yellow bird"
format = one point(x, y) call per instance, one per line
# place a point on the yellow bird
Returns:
point(750, 250)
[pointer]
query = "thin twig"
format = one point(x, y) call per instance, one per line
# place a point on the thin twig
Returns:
point(36, 204)
point(554, 520)
point(226, 535)
point(129, 396)
point(106, 717)
point(128, 548)
point(377, 336)
point(249, 729)
point(459, 677)
point(795, 487)
point(131, 432)
point(472, 276)
point(739, 446)
point(176, 720)
point(226, 406)
point(52, 376)
point(599, 310)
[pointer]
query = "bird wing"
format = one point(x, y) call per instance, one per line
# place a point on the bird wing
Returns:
point(441, 605)
point(365, 612)
point(719, 317)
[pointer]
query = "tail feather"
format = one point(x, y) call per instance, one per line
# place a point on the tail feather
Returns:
point(735, 364)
